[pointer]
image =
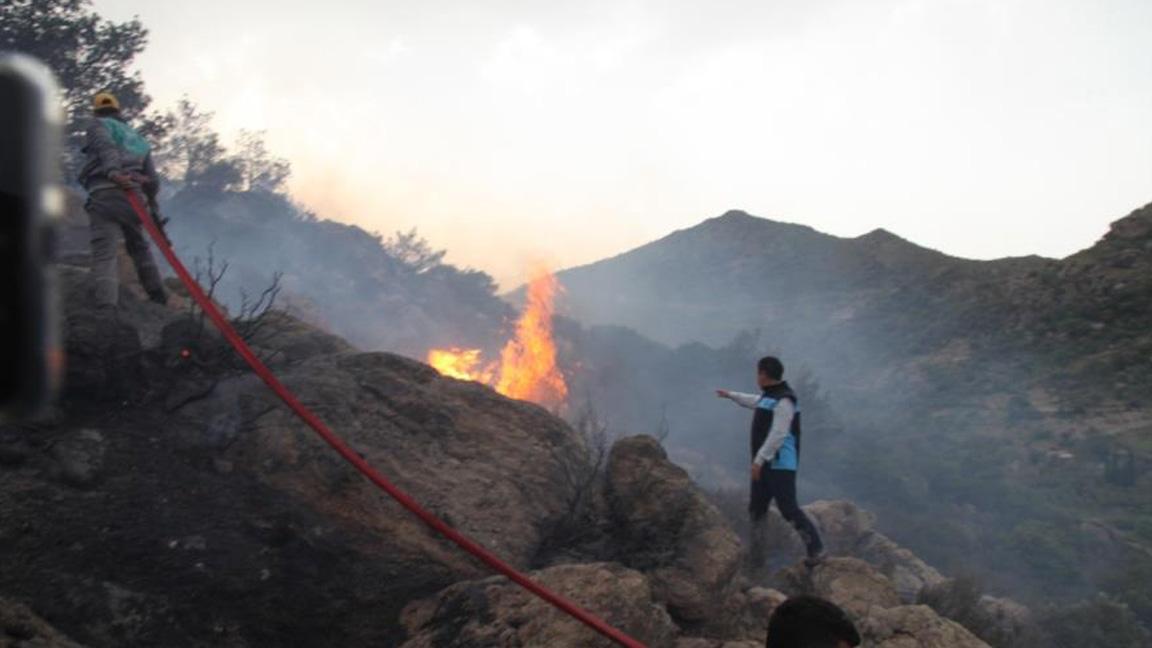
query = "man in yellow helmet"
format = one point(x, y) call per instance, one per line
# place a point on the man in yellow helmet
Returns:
point(118, 159)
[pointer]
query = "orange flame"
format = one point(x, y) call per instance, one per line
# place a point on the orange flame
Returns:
point(528, 362)
point(463, 364)
point(527, 369)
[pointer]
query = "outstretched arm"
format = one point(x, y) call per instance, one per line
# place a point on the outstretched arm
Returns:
point(741, 399)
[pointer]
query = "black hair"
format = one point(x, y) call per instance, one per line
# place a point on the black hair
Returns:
point(810, 622)
point(107, 111)
point(772, 367)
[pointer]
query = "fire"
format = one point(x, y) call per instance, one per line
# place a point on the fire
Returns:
point(527, 368)
point(528, 362)
point(463, 364)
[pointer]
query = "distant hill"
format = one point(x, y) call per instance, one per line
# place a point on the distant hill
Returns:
point(860, 311)
point(380, 293)
point(998, 414)
point(177, 503)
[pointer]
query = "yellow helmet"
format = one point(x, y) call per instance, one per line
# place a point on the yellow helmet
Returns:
point(105, 100)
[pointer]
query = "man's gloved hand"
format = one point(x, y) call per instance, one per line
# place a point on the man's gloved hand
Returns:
point(122, 180)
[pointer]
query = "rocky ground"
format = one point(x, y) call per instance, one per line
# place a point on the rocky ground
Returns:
point(171, 501)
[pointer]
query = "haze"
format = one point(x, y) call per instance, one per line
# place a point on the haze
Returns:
point(515, 132)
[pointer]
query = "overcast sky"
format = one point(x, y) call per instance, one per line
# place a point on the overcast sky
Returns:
point(514, 132)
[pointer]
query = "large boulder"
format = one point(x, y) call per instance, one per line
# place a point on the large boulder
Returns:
point(847, 530)
point(998, 621)
point(176, 502)
point(872, 601)
point(20, 627)
point(488, 465)
point(848, 582)
point(914, 626)
point(496, 613)
point(663, 525)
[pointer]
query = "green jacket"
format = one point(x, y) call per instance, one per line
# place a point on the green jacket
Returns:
point(112, 146)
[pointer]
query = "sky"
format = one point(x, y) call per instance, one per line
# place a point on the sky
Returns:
point(515, 133)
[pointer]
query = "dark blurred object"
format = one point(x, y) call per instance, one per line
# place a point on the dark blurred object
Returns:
point(31, 200)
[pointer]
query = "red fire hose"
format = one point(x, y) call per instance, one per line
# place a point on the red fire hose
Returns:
point(340, 446)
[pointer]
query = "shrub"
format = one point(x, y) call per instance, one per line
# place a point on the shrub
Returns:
point(1101, 622)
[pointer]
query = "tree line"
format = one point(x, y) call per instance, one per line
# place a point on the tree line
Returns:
point(89, 54)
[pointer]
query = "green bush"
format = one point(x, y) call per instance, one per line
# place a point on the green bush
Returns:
point(1102, 622)
point(1048, 550)
point(959, 599)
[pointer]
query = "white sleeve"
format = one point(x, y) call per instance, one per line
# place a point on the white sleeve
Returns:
point(745, 400)
point(782, 416)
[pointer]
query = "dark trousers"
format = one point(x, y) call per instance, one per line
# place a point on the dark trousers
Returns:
point(113, 218)
point(780, 485)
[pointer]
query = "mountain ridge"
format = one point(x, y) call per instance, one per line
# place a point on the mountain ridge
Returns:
point(172, 501)
point(969, 385)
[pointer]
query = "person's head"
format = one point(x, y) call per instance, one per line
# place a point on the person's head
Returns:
point(105, 104)
point(769, 371)
point(810, 622)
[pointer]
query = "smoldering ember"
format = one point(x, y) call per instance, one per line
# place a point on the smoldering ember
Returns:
point(576, 399)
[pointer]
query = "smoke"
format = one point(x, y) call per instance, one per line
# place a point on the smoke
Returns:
point(917, 372)
point(918, 375)
point(388, 294)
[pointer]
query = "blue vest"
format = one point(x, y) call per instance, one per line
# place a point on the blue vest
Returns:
point(788, 456)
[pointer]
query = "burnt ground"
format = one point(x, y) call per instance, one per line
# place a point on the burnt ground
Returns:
point(122, 526)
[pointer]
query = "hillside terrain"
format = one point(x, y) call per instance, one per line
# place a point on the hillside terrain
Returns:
point(995, 413)
point(171, 501)
point(1010, 467)
point(845, 305)
point(995, 416)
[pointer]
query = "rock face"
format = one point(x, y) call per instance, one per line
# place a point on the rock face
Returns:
point(915, 626)
point(137, 517)
point(849, 531)
point(872, 601)
point(21, 628)
point(495, 613)
point(663, 525)
point(850, 583)
point(484, 463)
point(174, 502)
point(1053, 355)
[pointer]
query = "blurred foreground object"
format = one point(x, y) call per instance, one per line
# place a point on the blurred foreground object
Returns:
point(31, 200)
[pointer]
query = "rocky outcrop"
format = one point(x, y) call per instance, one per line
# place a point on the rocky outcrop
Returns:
point(872, 601)
point(20, 627)
point(847, 530)
point(999, 621)
point(915, 626)
point(850, 583)
point(173, 501)
point(495, 613)
point(662, 524)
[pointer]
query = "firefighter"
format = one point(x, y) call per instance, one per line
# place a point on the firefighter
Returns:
point(117, 160)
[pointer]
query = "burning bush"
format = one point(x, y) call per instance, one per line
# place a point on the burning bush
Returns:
point(527, 367)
